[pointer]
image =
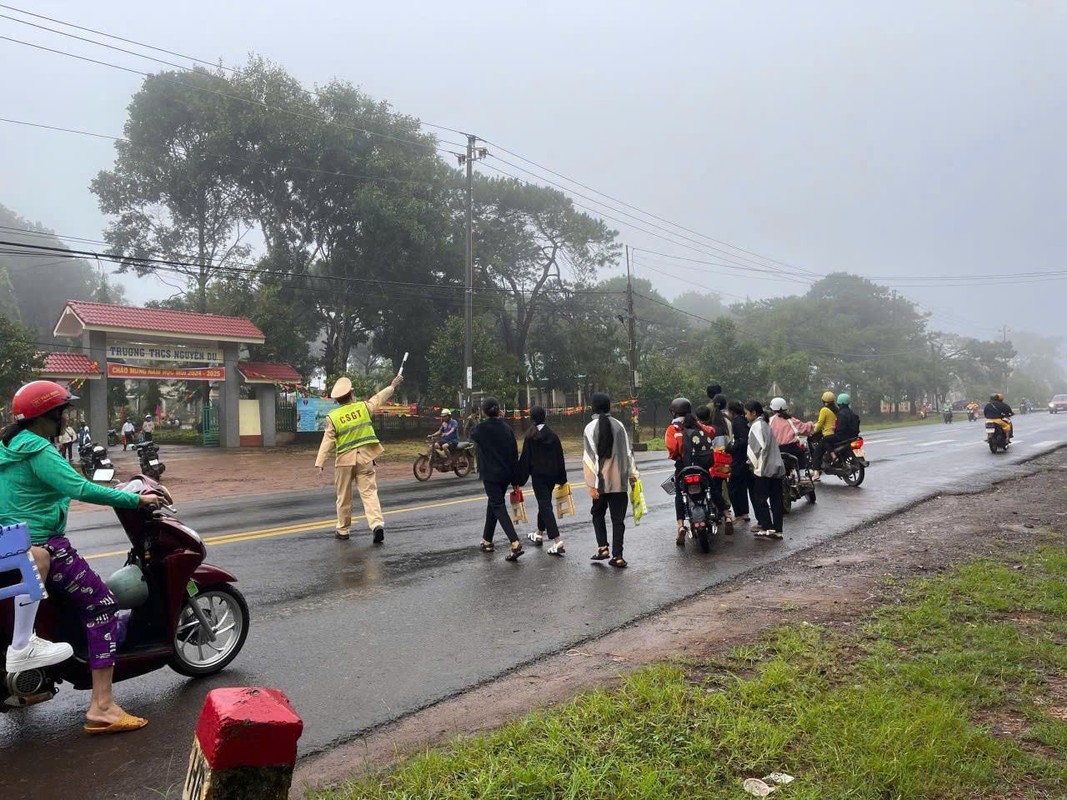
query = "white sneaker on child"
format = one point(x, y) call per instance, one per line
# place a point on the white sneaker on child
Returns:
point(37, 654)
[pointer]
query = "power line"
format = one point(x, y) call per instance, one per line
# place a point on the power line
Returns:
point(146, 46)
point(238, 98)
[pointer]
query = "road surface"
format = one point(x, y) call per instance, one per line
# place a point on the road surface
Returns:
point(358, 635)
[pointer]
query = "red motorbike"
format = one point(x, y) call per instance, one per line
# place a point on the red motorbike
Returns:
point(191, 618)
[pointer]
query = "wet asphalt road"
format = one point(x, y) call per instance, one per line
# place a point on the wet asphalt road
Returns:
point(358, 635)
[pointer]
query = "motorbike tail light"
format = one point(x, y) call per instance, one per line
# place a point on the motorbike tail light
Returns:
point(691, 479)
point(858, 444)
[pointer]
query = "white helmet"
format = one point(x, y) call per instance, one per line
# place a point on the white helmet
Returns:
point(778, 404)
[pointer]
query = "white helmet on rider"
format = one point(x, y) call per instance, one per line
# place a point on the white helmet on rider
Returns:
point(778, 404)
point(446, 412)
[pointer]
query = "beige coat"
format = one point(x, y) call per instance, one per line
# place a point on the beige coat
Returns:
point(352, 457)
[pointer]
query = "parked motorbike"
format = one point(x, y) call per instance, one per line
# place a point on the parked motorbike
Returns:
point(995, 437)
point(705, 520)
point(148, 457)
point(191, 619)
point(459, 461)
point(948, 416)
point(94, 462)
point(849, 462)
point(113, 438)
point(798, 482)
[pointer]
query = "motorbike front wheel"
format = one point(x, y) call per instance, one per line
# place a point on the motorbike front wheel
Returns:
point(422, 468)
point(227, 612)
point(461, 466)
point(855, 475)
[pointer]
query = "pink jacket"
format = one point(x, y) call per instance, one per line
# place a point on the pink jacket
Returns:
point(788, 431)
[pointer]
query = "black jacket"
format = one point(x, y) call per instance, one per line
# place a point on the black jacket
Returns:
point(542, 457)
point(738, 449)
point(498, 453)
point(997, 410)
point(848, 424)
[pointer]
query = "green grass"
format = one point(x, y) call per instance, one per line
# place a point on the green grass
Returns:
point(905, 707)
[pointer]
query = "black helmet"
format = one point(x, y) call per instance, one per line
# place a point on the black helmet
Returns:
point(681, 406)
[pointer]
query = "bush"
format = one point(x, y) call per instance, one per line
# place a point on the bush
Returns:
point(172, 436)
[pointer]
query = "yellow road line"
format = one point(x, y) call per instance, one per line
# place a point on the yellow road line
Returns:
point(305, 527)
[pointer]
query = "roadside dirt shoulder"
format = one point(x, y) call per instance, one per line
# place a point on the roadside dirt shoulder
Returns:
point(835, 583)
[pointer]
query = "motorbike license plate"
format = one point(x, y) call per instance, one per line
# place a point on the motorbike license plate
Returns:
point(103, 475)
point(191, 590)
point(153, 462)
point(860, 453)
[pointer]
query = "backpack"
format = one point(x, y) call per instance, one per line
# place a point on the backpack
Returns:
point(697, 448)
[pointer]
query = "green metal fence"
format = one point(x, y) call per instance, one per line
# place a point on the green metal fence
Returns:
point(211, 425)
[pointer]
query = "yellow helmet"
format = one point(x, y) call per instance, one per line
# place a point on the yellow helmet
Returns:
point(446, 412)
point(828, 397)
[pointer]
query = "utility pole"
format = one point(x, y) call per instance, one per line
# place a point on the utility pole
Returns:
point(1007, 366)
point(631, 330)
point(473, 154)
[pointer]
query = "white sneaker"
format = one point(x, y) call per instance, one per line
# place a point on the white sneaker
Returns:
point(37, 654)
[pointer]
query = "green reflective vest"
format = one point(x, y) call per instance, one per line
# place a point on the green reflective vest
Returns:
point(353, 425)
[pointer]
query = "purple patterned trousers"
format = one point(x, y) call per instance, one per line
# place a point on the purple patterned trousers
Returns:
point(71, 576)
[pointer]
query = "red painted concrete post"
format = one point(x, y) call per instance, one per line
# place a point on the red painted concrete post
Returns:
point(245, 746)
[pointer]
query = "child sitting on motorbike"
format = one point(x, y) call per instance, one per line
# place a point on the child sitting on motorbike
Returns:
point(787, 431)
point(36, 487)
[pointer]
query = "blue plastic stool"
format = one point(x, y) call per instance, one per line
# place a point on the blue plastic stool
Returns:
point(15, 556)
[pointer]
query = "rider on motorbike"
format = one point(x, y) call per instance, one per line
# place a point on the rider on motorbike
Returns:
point(846, 428)
point(36, 487)
point(447, 434)
point(824, 426)
point(787, 430)
point(684, 420)
point(1000, 412)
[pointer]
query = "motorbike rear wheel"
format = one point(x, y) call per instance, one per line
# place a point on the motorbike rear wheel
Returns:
point(461, 465)
point(855, 475)
point(226, 610)
point(422, 468)
point(787, 496)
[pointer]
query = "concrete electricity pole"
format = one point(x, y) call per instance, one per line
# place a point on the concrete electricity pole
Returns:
point(473, 154)
point(631, 331)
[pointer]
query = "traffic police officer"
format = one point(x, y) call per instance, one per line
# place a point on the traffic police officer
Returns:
point(350, 429)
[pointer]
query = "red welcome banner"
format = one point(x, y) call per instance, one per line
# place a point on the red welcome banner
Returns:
point(176, 374)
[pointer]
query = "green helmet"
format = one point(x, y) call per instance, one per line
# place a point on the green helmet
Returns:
point(843, 399)
point(129, 586)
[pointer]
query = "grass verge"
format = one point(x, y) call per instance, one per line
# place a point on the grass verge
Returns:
point(954, 690)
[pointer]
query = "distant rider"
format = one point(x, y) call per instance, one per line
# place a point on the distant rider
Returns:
point(847, 427)
point(448, 434)
point(1000, 412)
point(824, 426)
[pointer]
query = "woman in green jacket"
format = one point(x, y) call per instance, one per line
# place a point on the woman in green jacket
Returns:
point(36, 487)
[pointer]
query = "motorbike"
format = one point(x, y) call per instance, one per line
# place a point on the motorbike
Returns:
point(113, 438)
point(850, 462)
point(972, 415)
point(94, 462)
point(705, 520)
point(459, 461)
point(995, 437)
point(948, 416)
point(922, 413)
point(192, 618)
point(798, 482)
point(148, 457)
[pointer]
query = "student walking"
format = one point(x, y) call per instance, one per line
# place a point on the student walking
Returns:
point(498, 461)
point(543, 462)
point(740, 475)
point(609, 470)
point(129, 433)
point(768, 469)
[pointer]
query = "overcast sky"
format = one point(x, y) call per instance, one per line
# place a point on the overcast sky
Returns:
point(891, 139)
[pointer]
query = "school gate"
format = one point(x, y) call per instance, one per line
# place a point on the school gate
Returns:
point(125, 342)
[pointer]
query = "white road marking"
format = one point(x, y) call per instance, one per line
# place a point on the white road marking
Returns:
point(937, 442)
point(884, 441)
point(1048, 443)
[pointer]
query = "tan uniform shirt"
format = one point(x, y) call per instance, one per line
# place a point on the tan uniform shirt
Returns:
point(329, 437)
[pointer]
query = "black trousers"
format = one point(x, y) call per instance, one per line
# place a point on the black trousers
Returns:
point(737, 486)
point(768, 491)
point(496, 510)
point(616, 502)
point(546, 517)
point(798, 452)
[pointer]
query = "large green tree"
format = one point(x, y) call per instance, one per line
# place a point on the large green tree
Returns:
point(19, 360)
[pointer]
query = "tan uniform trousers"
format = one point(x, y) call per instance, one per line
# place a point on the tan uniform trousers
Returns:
point(363, 475)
